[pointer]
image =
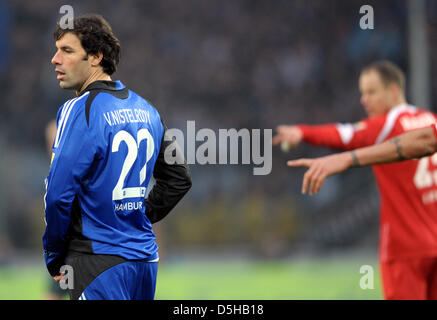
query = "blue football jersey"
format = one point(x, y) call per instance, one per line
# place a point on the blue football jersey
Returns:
point(107, 144)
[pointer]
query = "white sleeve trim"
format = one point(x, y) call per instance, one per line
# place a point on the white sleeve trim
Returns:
point(346, 131)
point(390, 121)
point(64, 117)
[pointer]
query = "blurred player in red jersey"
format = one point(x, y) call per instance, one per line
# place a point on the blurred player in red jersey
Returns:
point(408, 232)
point(410, 145)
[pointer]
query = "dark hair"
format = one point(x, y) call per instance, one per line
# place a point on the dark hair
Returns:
point(96, 36)
point(389, 73)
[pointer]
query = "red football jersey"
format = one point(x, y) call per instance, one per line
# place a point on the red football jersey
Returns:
point(408, 189)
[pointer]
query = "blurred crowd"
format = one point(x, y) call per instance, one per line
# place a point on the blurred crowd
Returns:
point(225, 64)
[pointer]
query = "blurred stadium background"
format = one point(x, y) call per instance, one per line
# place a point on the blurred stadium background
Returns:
point(225, 64)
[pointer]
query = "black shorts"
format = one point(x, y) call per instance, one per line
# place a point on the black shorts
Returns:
point(86, 267)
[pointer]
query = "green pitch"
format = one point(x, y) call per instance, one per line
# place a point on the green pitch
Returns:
point(289, 279)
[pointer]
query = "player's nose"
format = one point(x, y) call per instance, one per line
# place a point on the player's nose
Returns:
point(56, 59)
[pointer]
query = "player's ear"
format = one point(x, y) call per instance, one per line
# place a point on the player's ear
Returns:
point(394, 90)
point(96, 59)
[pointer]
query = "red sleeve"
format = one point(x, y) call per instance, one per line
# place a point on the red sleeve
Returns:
point(347, 136)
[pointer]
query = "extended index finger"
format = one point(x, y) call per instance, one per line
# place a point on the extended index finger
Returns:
point(300, 163)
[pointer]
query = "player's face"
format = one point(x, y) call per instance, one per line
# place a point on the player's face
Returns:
point(375, 95)
point(71, 61)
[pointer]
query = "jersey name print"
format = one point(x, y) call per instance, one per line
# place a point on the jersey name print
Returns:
point(126, 116)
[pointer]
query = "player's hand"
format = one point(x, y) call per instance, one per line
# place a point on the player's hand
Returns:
point(320, 169)
point(58, 277)
point(288, 134)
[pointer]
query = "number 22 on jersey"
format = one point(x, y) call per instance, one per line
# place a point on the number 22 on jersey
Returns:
point(133, 145)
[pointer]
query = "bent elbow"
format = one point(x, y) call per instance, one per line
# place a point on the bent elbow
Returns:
point(425, 145)
point(187, 184)
point(429, 143)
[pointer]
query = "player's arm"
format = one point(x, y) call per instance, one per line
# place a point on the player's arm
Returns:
point(172, 182)
point(410, 145)
point(343, 136)
point(73, 154)
point(318, 135)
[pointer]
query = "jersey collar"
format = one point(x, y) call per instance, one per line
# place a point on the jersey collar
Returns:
point(105, 85)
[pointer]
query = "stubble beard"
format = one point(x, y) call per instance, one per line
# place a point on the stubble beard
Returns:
point(67, 86)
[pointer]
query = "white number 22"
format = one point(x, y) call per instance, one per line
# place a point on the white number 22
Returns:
point(133, 145)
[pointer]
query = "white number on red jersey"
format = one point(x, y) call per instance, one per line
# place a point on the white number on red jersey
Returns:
point(424, 176)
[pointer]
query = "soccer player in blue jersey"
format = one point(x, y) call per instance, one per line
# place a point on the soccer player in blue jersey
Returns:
point(109, 142)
